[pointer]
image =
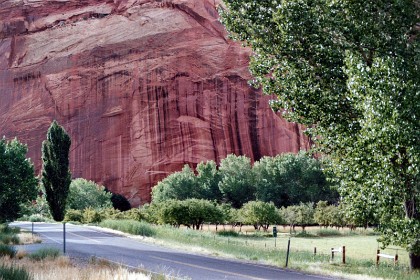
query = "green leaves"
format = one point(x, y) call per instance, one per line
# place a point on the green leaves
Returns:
point(17, 180)
point(56, 176)
point(87, 194)
point(349, 71)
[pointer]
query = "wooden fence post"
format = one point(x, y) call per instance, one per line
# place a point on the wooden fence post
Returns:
point(344, 254)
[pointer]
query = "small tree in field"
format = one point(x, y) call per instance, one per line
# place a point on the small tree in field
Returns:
point(260, 214)
point(56, 176)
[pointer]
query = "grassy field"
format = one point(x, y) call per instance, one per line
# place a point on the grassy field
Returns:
point(361, 246)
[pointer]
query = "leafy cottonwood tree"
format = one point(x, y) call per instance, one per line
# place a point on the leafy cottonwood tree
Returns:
point(349, 71)
point(290, 179)
point(56, 176)
point(87, 194)
point(237, 182)
point(185, 184)
point(208, 179)
point(178, 185)
point(17, 180)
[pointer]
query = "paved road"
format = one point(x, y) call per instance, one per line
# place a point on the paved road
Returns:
point(85, 242)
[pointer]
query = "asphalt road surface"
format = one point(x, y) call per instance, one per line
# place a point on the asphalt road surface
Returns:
point(85, 242)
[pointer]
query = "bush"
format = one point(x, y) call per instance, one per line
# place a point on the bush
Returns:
point(230, 233)
point(7, 250)
point(132, 214)
point(38, 218)
point(13, 273)
point(44, 253)
point(91, 216)
point(73, 216)
point(130, 226)
point(9, 239)
point(4, 228)
point(112, 214)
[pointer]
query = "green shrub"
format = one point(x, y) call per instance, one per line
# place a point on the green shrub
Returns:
point(13, 273)
point(44, 253)
point(9, 239)
point(38, 218)
point(111, 214)
point(327, 232)
point(4, 228)
point(132, 214)
point(73, 216)
point(231, 233)
point(7, 250)
point(130, 226)
point(91, 216)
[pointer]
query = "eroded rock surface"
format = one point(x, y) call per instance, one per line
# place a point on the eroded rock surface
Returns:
point(143, 87)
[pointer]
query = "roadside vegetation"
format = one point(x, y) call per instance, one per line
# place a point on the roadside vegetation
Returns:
point(49, 264)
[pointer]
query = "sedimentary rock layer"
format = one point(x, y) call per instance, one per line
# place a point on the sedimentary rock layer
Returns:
point(143, 87)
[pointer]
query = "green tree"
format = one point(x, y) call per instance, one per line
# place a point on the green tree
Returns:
point(17, 180)
point(178, 185)
point(321, 216)
point(190, 212)
point(208, 178)
point(87, 194)
point(289, 179)
point(237, 180)
point(348, 70)
point(56, 176)
point(260, 214)
point(298, 215)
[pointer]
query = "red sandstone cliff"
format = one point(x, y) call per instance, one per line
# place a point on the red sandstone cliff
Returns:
point(142, 87)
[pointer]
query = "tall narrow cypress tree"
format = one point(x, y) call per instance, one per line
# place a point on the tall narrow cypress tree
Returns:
point(56, 176)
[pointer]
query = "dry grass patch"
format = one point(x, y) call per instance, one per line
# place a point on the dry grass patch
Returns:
point(64, 269)
point(28, 238)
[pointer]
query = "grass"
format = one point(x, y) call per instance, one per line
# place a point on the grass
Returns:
point(130, 226)
point(7, 250)
point(64, 269)
point(231, 233)
point(44, 253)
point(9, 235)
point(361, 246)
point(10, 272)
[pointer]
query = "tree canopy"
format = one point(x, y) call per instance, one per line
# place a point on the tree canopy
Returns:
point(87, 194)
point(349, 71)
point(289, 179)
point(56, 176)
point(17, 180)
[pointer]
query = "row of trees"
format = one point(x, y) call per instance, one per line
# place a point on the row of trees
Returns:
point(195, 213)
point(284, 180)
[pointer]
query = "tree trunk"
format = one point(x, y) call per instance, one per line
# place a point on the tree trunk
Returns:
point(414, 261)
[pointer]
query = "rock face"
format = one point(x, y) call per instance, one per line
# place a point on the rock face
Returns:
point(143, 87)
